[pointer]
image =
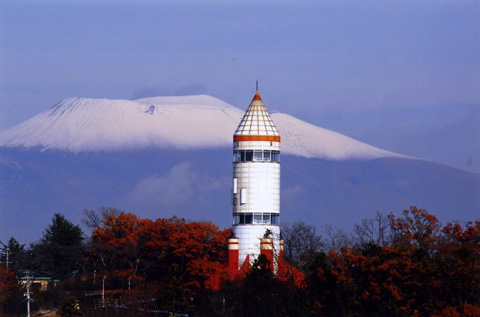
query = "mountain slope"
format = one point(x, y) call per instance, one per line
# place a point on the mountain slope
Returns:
point(196, 184)
point(190, 122)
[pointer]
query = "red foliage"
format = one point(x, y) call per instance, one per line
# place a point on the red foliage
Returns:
point(125, 245)
point(426, 271)
point(7, 284)
point(288, 273)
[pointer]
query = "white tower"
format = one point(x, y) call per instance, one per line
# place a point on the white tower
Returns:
point(256, 186)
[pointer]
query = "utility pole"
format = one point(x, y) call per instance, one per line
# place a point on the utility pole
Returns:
point(103, 295)
point(7, 254)
point(103, 291)
point(27, 294)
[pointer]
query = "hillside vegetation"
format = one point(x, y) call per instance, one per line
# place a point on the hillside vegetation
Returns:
point(397, 266)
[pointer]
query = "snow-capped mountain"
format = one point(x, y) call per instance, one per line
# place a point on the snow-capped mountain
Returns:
point(190, 122)
point(165, 156)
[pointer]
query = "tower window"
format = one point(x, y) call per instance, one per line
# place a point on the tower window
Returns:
point(237, 156)
point(266, 156)
point(266, 218)
point(256, 156)
point(257, 218)
point(242, 218)
point(243, 196)
point(234, 185)
point(236, 219)
point(275, 156)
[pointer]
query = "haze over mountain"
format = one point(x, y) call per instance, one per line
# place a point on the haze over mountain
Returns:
point(165, 156)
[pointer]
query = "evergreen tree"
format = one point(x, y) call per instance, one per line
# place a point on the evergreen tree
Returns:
point(14, 253)
point(60, 252)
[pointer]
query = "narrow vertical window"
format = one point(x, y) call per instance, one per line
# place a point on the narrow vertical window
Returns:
point(236, 219)
point(275, 156)
point(237, 156)
point(266, 218)
point(266, 156)
point(234, 185)
point(243, 196)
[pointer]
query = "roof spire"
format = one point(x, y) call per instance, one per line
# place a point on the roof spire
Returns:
point(256, 124)
point(257, 85)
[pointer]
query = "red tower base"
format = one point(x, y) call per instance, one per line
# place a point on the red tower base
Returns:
point(266, 248)
point(232, 257)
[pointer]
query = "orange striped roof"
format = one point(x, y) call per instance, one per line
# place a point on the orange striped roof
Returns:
point(255, 123)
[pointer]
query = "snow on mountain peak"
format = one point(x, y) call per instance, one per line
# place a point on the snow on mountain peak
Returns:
point(185, 101)
point(83, 124)
point(304, 139)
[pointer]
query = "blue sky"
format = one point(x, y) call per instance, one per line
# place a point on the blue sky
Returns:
point(400, 75)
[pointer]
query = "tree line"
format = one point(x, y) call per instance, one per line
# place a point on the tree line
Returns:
point(405, 265)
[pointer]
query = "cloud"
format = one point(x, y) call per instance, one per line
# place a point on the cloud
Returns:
point(292, 193)
point(177, 186)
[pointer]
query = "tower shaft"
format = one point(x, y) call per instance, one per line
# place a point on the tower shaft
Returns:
point(256, 184)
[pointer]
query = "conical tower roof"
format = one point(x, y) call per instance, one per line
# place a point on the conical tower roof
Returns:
point(256, 125)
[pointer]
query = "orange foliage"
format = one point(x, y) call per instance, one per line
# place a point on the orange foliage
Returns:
point(127, 247)
point(417, 228)
point(426, 271)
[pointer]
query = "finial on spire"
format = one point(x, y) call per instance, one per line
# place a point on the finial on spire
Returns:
point(257, 85)
point(256, 97)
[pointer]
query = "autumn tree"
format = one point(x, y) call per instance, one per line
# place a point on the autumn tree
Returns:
point(424, 270)
point(416, 228)
point(181, 261)
point(395, 265)
point(117, 247)
point(9, 292)
point(189, 260)
point(460, 268)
